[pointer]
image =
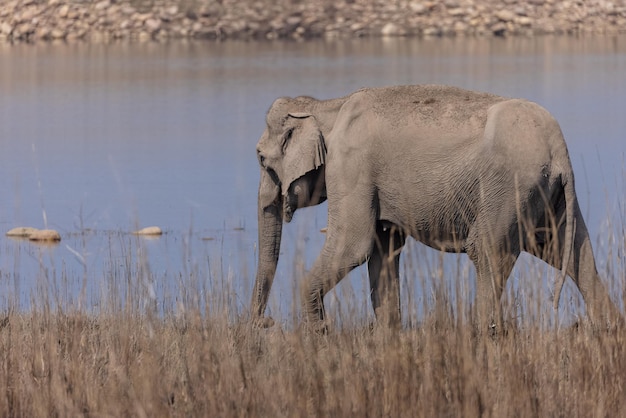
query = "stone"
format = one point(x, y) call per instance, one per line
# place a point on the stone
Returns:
point(150, 230)
point(152, 24)
point(391, 29)
point(417, 7)
point(57, 33)
point(293, 20)
point(432, 31)
point(25, 29)
point(28, 14)
point(6, 28)
point(45, 235)
point(460, 27)
point(21, 232)
point(73, 14)
point(457, 12)
point(505, 15)
point(64, 10)
point(476, 22)
point(499, 29)
point(101, 5)
point(42, 33)
point(106, 20)
point(127, 9)
point(143, 36)
point(356, 26)
point(520, 11)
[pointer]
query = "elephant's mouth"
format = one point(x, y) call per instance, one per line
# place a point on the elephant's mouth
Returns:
point(297, 196)
point(290, 204)
point(307, 190)
point(288, 212)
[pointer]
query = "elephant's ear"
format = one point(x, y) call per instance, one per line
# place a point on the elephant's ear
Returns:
point(305, 150)
point(269, 191)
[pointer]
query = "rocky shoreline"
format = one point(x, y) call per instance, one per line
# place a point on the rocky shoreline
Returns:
point(156, 20)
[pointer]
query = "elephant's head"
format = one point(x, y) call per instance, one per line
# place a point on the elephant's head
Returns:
point(291, 153)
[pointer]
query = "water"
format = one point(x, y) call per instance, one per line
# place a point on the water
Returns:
point(98, 140)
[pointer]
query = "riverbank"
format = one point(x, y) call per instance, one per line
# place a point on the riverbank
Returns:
point(154, 20)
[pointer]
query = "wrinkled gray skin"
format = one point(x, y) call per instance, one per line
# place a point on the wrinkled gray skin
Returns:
point(457, 170)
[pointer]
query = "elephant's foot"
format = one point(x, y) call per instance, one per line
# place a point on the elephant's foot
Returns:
point(319, 327)
point(263, 322)
point(492, 329)
point(388, 318)
point(605, 325)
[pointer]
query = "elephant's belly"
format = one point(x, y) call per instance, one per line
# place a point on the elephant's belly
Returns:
point(448, 235)
point(434, 207)
point(441, 240)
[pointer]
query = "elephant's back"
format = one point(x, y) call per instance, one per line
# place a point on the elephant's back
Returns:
point(430, 104)
point(432, 113)
point(429, 92)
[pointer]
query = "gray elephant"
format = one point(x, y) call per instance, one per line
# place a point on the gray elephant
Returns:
point(457, 170)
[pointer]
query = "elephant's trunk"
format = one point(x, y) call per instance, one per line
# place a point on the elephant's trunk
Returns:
point(270, 229)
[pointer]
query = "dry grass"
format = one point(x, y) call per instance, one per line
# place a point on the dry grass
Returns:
point(134, 364)
point(208, 360)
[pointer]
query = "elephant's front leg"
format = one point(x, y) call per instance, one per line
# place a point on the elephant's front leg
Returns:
point(349, 241)
point(384, 274)
point(494, 256)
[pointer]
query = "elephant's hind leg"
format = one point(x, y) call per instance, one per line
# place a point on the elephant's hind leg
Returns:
point(384, 274)
point(582, 269)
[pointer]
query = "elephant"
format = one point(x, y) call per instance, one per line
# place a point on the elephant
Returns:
point(458, 170)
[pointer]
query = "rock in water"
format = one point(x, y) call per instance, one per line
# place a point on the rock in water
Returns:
point(47, 235)
point(150, 230)
point(21, 232)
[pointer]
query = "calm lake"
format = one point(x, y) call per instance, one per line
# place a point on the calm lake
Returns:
point(99, 140)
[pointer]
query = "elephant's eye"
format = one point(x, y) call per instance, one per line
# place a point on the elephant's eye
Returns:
point(287, 138)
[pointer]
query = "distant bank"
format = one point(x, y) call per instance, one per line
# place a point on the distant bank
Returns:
point(148, 20)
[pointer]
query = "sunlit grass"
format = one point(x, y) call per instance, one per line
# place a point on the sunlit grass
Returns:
point(197, 354)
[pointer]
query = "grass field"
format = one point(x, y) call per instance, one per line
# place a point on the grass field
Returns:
point(128, 364)
point(129, 359)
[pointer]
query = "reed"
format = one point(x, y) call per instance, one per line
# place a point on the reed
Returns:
point(130, 358)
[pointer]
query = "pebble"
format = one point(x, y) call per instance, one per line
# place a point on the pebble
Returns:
point(505, 15)
point(21, 232)
point(150, 230)
point(158, 20)
point(45, 235)
point(391, 29)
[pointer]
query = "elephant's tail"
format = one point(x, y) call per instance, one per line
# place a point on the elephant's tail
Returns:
point(567, 182)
